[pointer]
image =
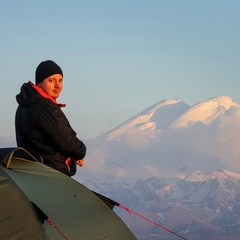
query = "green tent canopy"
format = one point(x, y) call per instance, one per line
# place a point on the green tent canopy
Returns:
point(34, 195)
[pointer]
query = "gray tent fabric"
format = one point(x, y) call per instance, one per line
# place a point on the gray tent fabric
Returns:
point(18, 219)
point(74, 209)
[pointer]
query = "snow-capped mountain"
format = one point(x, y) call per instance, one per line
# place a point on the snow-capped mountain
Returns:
point(173, 114)
point(200, 206)
point(170, 139)
point(164, 162)
point(154, 118)
point(199, 176)
point(206, 112)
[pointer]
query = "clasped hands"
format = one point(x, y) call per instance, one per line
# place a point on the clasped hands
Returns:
point(80, 162)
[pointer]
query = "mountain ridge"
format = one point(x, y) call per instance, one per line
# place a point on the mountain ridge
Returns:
point(142, 120)
point(172, 113)
point(206, 111)
point(200, 209)
point(201, 176)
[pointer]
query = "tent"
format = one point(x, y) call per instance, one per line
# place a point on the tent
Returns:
point(38, 202)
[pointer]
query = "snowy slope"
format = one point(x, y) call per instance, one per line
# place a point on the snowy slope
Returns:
point(173, 114)
point(199, 176)
point(205, 112)
point(152, 119)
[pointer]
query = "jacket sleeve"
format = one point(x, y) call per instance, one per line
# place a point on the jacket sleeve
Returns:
point(56, 126)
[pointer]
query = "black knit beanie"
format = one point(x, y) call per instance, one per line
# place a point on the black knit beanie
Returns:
point(46, 69)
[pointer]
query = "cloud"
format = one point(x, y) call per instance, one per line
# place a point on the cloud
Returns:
point(136, 141)
point(229, 139)
point(7, 141)
point(96, 159)
point(173, 152)
point(153, 171)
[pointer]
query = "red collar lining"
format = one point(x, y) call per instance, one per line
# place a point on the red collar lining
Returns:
point(45, 95)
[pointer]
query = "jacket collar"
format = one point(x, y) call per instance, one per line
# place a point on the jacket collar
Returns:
point(45, 95)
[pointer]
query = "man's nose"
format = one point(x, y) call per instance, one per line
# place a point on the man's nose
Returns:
point(57, 85)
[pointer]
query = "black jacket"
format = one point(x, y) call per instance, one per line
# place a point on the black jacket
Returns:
point(43, 130)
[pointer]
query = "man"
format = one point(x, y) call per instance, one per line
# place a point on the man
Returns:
point(41, 126)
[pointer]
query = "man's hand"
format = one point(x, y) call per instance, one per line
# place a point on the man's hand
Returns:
point(80, 162)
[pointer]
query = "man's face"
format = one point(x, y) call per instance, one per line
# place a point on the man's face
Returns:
point(52, 85)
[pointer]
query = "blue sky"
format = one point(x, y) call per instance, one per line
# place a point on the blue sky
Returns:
point(119, 57)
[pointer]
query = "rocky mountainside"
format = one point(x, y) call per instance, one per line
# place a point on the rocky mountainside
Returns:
point(200, 206)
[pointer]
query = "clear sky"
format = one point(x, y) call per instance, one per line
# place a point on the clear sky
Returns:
point(119, 57)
